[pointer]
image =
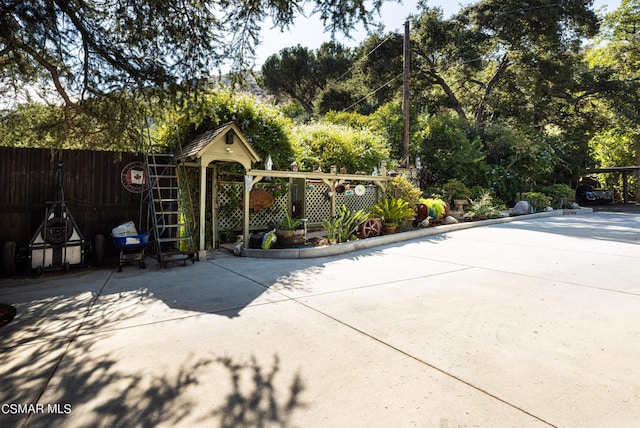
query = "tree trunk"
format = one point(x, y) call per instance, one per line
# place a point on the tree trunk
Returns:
point(480, 112)
point(447, 90)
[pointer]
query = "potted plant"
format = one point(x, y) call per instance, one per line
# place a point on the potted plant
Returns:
point(290, 232)
point(392, 211)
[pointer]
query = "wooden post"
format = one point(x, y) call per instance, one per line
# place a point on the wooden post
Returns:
point(248, 184)
point(202, 253)
point(333, 198)
point(214, 206)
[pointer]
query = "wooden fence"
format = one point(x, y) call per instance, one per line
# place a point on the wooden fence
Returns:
point(92, 189)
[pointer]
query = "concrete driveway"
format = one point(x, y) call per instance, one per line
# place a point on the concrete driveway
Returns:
point(531, 323)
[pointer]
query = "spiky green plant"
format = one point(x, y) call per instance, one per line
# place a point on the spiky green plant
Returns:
point(344, 225)
point(392, 210)
point(289, 223)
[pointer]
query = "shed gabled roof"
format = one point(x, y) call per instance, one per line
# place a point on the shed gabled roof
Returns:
point(213, 145)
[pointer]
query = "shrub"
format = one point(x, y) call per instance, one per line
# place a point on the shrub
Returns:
point(327, 144)
point(455, 189)
point(562, 195)
point(449, 148)
point(483, 206)
point(538, 200)
point(401, 188)
point(264, 126)
point(476, 192)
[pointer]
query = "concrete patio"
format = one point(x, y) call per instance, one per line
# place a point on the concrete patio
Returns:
point(530, 323)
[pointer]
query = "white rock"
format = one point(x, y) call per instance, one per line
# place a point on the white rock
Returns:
point(522, 207)
point(450, 220)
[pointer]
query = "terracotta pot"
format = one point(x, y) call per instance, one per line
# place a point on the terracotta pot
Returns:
point(390, 229)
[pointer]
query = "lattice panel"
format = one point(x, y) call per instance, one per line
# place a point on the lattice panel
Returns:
point(230, 209)
point(355, 202)
point(317, 205)
point(411, 174)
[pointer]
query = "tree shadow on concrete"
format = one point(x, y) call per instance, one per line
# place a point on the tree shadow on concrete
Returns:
point(251, 397)
point(147, 401)
point(7, 313)
point(35, 344)
point(54, 355)
point(258, 405)
point(202, 288)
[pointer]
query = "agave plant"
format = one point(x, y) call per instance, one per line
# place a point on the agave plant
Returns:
point(341, 227)
point(392, 211)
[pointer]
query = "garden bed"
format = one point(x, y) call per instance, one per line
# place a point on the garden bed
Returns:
point(319, 250)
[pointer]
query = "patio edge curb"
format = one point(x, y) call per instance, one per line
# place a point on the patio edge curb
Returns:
point(363, 244)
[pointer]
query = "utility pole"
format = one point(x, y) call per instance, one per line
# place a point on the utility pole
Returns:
point(405, 95)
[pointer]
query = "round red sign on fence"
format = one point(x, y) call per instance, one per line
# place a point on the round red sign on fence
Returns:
point(134, 177)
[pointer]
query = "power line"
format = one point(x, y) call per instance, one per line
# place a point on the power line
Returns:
point(365, 56)
point(436, 68)
point(373, 92)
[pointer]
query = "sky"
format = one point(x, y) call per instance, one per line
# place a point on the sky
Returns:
point(308, 32)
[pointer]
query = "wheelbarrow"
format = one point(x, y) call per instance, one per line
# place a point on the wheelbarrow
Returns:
point(132, 249)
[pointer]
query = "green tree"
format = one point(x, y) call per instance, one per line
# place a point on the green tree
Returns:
point(446, 151)
point(374, 78)
point(518, 160)
point(379, 68)
point(300, 74)
point(388, 121)
point(337, 96)
point(469, 62)
point(31, 125)
point(292, 73)
point(616, 56)
point(76, 50)
point(54, 126)
point(614, 148)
